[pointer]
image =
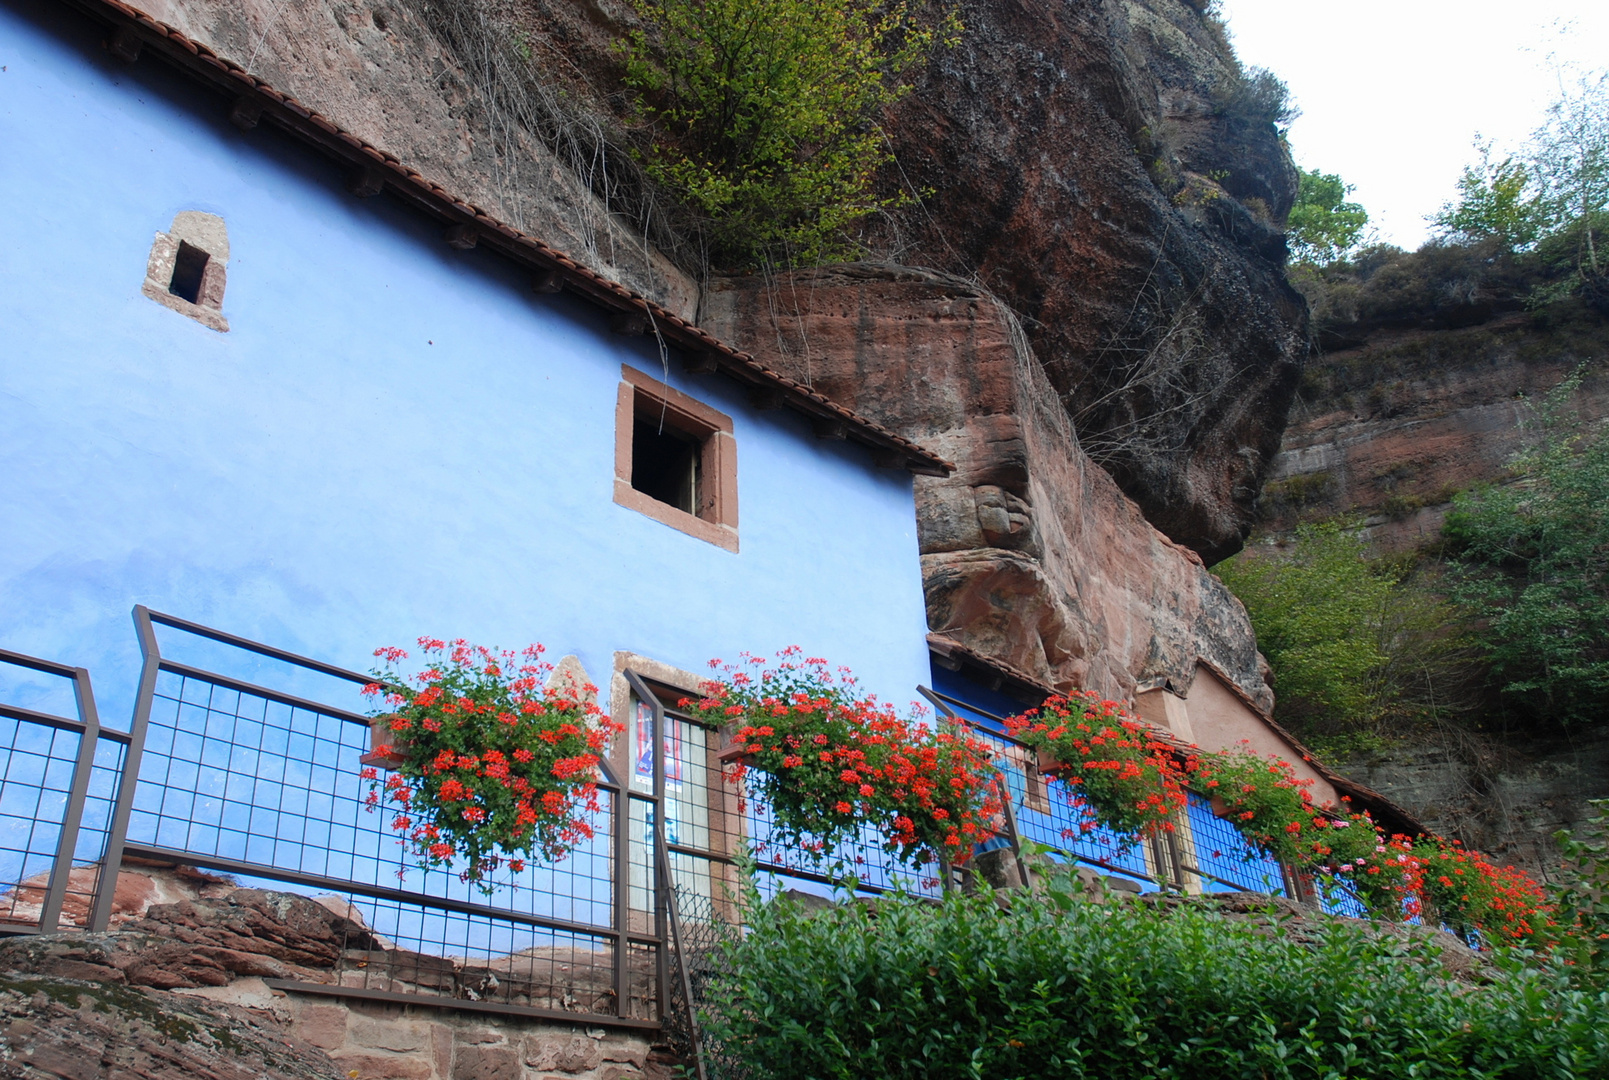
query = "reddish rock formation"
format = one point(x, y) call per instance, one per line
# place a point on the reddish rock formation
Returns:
point(186, 988)
point(1031, 554)
point(1393, 426)
point(1104, 171)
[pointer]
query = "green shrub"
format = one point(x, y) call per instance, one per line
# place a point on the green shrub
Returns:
point(1581, 896)
point(1358, 646)
point(1534, 557)
point(765, 114)
point(1060, 987)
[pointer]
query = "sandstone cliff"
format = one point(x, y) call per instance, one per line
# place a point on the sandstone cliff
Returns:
point(1030, 552)
point(1420, 393)
point(1105, 169)
point(1420, 390)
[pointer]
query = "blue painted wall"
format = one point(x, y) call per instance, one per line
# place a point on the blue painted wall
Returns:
point(395, 438)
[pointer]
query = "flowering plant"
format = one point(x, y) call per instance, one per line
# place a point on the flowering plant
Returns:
point(829, 760)
point(1117, 772)
point(1264, 797)
point(1469, 895)
point(490, 767)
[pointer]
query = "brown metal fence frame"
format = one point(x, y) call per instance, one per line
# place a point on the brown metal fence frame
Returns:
point(619, 934)
point(90, 733)
point(655, 853)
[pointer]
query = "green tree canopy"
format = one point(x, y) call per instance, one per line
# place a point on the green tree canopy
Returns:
point(1317, 608)
point(1359, 647)
point(1323, 226)
point(1551, 197)
point(1495, 199)
point(765, 113)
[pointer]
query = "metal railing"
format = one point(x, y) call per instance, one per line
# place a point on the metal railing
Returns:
point(1040, 808)
point(256, 781)
point(57, 774)
point(246, 779)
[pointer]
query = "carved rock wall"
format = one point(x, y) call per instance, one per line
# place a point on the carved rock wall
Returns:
point(1031, 554)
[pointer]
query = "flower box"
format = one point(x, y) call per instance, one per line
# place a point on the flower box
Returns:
point(736, 754)
point(1220, 808)
point(1048, 765)
point(380, 734)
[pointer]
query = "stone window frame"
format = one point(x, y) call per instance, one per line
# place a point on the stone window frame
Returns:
point(716, 519)
point(208, 234)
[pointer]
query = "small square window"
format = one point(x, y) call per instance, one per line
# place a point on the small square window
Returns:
point(189, 267)
point(664, 463)
point(675, 460)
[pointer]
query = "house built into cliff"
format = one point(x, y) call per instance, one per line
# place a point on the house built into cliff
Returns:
point(264, 378)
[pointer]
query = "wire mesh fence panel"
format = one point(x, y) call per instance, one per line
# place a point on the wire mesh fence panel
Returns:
point(243, 777)
point(260, 783)
point(89, 851)
point(1336, 897)
point(1046, 815)
point(710, 821)
point(405, 948)
point(1219, 849)
point(37, 762)
point(55, 772)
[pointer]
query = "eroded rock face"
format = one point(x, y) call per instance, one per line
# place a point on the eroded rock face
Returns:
point(1031, 554)
point(1088, 163)
point(187, 988)
point(1397, 423)
point(80, 1030)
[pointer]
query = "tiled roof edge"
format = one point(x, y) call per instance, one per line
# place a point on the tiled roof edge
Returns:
point(1378, 804)
point(133, 29)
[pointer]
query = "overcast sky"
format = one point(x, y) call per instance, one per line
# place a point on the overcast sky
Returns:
point(1394, 92)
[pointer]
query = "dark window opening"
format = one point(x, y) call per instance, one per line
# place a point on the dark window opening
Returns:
point(188, 268)
point(665, 464)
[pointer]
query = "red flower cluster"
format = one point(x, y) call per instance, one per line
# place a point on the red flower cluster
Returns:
point(1118, 774)
point(829, 761)
point(1263, 796)
point(494, 768)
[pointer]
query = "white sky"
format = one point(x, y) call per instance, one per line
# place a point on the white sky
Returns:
point(1394, 92)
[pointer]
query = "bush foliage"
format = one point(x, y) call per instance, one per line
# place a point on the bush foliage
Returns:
point(1536, 557)
point(1060, 987)
point(1550, 198)
point(765, 114)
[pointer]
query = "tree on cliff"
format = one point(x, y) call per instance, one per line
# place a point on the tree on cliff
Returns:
point(1360, 647)
point(1536, 558)
point(1323, 226)
point(765, 114)
point(1551, 198)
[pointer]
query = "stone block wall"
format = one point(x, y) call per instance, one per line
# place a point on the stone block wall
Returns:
point(378, 1041)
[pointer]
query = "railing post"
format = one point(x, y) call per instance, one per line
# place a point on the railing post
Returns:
point(67, 842)
point(622, 900)
point(100, 915)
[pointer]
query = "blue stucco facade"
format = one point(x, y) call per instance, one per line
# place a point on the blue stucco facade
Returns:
point(394, 437)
